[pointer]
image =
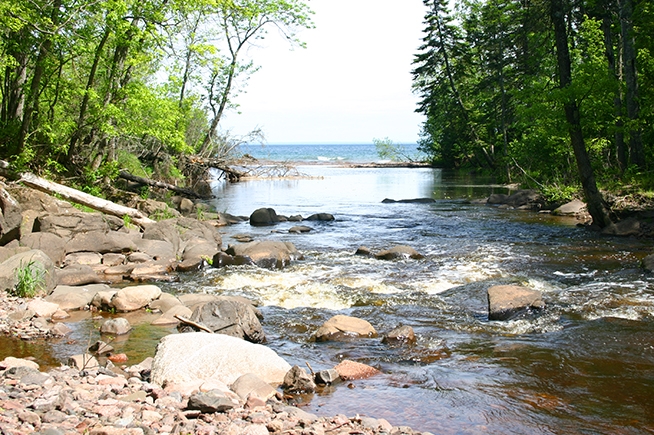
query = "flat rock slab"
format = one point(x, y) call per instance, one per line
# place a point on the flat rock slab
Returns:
point(342, 327)
point(190, 357)
point(508, 301)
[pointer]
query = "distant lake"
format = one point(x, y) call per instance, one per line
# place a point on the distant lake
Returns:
point(323, 153)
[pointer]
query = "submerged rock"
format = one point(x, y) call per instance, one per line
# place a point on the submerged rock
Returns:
point(342, 327)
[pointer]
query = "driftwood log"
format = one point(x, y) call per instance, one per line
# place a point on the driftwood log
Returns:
point(83, 198)
point(149, 182)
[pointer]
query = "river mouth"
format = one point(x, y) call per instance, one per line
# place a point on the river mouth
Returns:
point(583, 365)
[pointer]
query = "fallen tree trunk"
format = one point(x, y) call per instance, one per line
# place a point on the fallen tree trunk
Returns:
point(232, 174)
point(159, 184)
point(79, 197)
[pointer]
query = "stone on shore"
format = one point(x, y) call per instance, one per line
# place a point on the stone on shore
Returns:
point(297, 380)
point(250, 384)
point(119, 326)
point(194, 356)
point(135, 297)
point(71, 298)
point(508, 301)
point(571, 208)
point(342, 327)
point(35, 260)
point(10, 217)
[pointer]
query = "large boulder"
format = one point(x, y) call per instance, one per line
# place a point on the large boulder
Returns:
point(266, 253)
point(68, 224)
point(77, 274)
point(192, 229)
point(101, 241)
point(199, 356)
point(10, 217)
point(342, 327)
point(263, 216)
point(196, 252)
point(134, 297)
point(163, 230)
point(40, 265)
point(229, 316)
point(157, 249)
point(508, 301)
point(53, 245)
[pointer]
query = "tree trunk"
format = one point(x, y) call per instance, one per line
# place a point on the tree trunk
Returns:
point(83, 198)
point(594, 200)
point(636, 153)
point(32, 103)
point(614, 72)
point(159, 184)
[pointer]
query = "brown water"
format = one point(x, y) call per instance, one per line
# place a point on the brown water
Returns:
point(583, 366)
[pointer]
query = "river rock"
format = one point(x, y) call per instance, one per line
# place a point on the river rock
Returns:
point(10, 362)
point(163, 231)
point(648, 263)
point(83, 362)
point(250, 384)
point(67, 225)
point(399, 252)
point(624, 228)
point(169, 316)
point(42, 308)
point(210, 402)
point(38, 261)
point(401, 334)
point(134, 297)
point(53, 245)
point(571, 208)
point(71, 298)
point(230, 317)
point(508, 301)
point(164, 302)
point(77, 274)
point(156, 250)
point(350, 370)
point(86, 258)
point(10, 217)
point(269, 254)
point(298, 229)
point(101, 242)
point(186, 358)
point(327, 377)
point(119, 326)
point(325, 217)
point(343, 327)
point(297, 380)
point(263, 217)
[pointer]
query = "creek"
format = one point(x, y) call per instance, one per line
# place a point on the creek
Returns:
point(583, 365)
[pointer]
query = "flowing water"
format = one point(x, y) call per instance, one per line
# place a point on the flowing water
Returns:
point(585, 365)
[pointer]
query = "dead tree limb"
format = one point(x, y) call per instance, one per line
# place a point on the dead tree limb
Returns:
point(160, 184)
point(232, 174)
point(83, 198)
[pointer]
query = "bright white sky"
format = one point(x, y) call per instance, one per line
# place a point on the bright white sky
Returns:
point(351, 84)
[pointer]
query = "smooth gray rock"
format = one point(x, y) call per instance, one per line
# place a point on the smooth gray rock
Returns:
point(53, 245)
point(249, 384)
point(210, 402)
point(75, 298)
point(324, 217)
point(134, 298)
point(119, 326)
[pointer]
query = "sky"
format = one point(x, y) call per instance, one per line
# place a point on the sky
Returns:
point(351, 84)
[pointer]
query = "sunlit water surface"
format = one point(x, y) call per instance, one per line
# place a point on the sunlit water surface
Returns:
point(584, 365)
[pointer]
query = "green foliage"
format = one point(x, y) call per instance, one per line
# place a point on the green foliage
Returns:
point(30, 280)
point(559, 194)
point(162, 214)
